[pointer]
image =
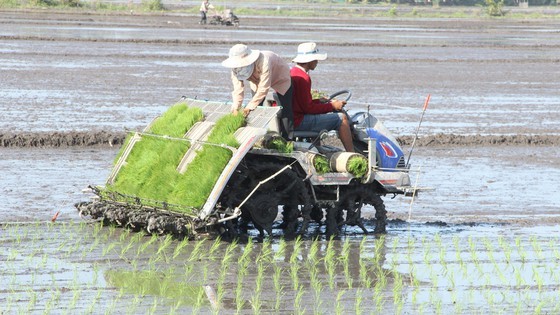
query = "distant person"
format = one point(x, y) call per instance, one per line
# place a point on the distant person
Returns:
point(204, 7)
point(264, 70)
point(316, 114)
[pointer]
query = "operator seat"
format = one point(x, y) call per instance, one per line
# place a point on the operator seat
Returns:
point(300, 135)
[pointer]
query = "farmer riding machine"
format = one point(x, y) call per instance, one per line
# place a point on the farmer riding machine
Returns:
point(199, 169)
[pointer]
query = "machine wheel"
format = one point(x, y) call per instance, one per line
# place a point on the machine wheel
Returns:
point(263, 210)
point(353, 206)
point(262, 207)
point(317, 214)
point(352, 200)
point(332, 220)
point(380, 215)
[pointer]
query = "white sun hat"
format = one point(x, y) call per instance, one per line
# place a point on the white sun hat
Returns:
point(308, 52)
point(240, 56)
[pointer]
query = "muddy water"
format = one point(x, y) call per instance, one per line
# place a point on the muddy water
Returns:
point(483, 240)
point(119, 72)
point(88, 268)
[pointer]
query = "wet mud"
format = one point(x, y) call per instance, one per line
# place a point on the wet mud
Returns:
point(110, 139)
point(61, 139)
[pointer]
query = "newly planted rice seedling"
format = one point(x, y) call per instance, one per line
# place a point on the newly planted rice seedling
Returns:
point(276, 279)
point(298, 305)
point(164, 245)
point(32, 298)
point(179, 247)
point(246, 256)
point(109, 248)
point(294, 270)
point(314, 279)
point(239, 300)
point(537, 278)
point(126, 248)
point(358, 301)
point(364, 274)
point(330, 264)
point(339, 305)
point(520, 249)
point(265, 256)
point(215, 246)
point(397, 288)
point(536, 247)
point(280, 250)
point(196, 251)
point(145, 245)
point(256, 301)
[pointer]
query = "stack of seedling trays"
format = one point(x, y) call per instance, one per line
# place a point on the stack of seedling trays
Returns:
point(168, 177)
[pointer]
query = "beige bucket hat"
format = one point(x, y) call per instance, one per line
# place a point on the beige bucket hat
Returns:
point(240, 56)
point(308, 52)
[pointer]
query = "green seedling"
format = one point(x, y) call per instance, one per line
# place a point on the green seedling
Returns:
point(239, 301)
point(357, 166)
point(281, 250)
point(196, 251)
point(153, 176)
point(128, 246)
point(294, 270)
point(279, 144)
point(364, 274)
point(215, 246)
point(180, 246)
point(298, 300)
point(321, 164)
point(145, 245)
point(265, 256)
point(339, 305)
point(109, 248)
point(158, 284)
point(165, 244)
point(358, 301)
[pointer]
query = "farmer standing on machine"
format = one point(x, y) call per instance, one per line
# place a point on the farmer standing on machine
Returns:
point(264, 70)
point(316, 114)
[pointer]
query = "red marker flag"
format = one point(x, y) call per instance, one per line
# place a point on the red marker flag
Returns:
point(426, 102)
point(55, 216)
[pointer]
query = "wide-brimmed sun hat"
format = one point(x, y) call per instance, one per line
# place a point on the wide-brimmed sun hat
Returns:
point(240, 56)
point(308, 52)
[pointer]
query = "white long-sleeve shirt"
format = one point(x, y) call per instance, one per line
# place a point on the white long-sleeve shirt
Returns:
point(271, 71)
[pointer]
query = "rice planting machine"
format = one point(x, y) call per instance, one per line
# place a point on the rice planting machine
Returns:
point(198, 169)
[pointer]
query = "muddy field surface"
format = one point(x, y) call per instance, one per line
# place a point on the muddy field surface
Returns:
point(83, 80)
point(484, 240)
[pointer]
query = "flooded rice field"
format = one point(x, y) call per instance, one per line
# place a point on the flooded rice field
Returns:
point(87, 268)
point(485, 240)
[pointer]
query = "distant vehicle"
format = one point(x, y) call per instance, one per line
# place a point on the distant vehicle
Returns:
point(226, 18)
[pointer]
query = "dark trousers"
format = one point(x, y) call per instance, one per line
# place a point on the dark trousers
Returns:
point(286, 115)
point(202, 17)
